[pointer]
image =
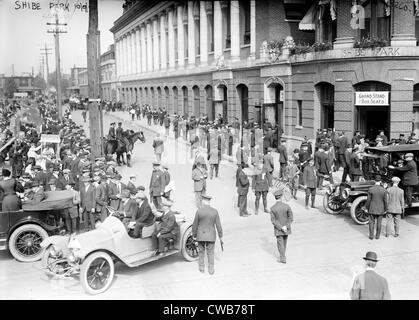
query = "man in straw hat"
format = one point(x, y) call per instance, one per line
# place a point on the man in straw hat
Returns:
point(377, 204)
point(369, 285)
point(281, 218)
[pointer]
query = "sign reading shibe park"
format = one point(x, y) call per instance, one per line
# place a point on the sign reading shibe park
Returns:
point(371, 98)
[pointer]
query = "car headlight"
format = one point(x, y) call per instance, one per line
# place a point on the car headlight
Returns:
point(346, 193)
point(329, 189)
point(74, 244)
point(337, 190)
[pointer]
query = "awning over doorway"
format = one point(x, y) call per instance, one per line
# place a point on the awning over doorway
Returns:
point(309, 20)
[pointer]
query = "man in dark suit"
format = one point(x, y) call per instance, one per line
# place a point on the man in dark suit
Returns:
point(40, 176)
point(143, 215)
point(203, 230)
point(281, 218)
point(369, 285)
point(128, 205)
point(88, 203)
point(114, 191)
point(119, 131)
point(342, 145)
point(267, 140)
point(242, 191)
point(410, 177)
point(156, 185)
point(102, 198)
point(283, 159)
point(355, 171)
point(268, 165)
point(310, 182)
point(168, 228)
point(260, 185)
point(36, 195)
point(377, 205)
point(323, 166)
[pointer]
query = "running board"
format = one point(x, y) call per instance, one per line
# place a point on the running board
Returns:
point(153, 258)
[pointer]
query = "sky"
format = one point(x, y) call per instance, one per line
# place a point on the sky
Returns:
point(23, 32)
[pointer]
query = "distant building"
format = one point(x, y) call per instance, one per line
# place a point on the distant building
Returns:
point(108, 74)
point(23, 83)
point(75, 80)
point(300, 64)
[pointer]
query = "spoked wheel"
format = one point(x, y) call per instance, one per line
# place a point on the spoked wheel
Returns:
point(53, 264)
point(333, 204)
point(97, 272)
point(189, 248)
point(25, 243)
point(358, 210)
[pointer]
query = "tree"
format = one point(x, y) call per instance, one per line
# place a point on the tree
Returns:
point(52, 80)
point(39, 82)
point(10, 87)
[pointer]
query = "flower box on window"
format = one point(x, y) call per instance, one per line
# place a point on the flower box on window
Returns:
point(371, 43)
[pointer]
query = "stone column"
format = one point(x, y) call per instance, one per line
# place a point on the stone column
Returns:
point(149, 48)
point(252, 54)
point(163, 41)
point(345, 33)
point(403, 25)
point(191, 34)
point(134, 51)
point(180, 37)
point(203, 34)
point(218, 31)
point(122, 63)
point(156, 47)
point(129, 43)
point(143, 48)
point(117, 58)
point(125, 54)
point(235, 30)
point(138, 49)
point(171, 39)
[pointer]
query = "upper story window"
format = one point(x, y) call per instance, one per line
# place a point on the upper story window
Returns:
point(328, 30)
point(377, 22)
point(226, 21)
point(244, 22)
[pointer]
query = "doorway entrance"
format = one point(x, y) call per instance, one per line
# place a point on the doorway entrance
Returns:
point(372, 119)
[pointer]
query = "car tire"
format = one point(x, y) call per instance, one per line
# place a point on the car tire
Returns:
point(45, 261)
point(25, 243)
point(92, 270)
point(189, 249)
point(356, 214)
point(334, 211)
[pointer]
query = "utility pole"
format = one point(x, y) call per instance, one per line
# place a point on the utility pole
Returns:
point(56, 33)
point(46, 52)
point(93, 80)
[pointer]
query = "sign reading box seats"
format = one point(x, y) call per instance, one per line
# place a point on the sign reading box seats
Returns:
point(371, 98)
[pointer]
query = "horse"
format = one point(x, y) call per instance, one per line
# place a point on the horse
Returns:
point(123, 145)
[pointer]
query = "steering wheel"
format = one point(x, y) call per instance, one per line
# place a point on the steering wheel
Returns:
point(115, 213)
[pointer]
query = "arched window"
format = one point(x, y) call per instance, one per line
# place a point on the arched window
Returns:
point(146, 96)
point(243, 94)
point(196, 101)
point(152, 101)
point(175, 100)
point(159, 102)
point(185, 107)
point(209, 103)
point(415, 121)
point(166, 99)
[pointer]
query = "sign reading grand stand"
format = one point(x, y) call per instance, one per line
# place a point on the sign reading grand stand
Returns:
point(371, 98)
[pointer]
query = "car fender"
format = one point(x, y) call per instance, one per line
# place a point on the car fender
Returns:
point(182, 230)
point(57, 241)
point(49, 229)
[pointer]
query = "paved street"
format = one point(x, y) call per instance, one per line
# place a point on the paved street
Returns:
point(322, 250)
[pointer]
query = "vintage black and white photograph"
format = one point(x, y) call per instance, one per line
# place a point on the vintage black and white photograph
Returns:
point(209, 150)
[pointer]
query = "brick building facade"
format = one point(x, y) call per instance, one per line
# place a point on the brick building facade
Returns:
point(298, 63)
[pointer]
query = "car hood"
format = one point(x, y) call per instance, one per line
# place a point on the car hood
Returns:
point(360, 184)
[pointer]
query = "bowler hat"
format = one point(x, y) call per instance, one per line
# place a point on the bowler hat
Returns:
point(141, 188)
point(278, 193)
point(156, 163)
point(370, 255)
point(378, 178)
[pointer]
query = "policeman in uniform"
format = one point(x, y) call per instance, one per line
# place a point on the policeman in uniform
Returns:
point(203, 230)
point(281, 218)
point(112, 133)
